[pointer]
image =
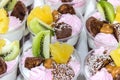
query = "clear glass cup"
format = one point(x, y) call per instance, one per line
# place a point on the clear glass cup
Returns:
point(12, 67)
point(25, 72)
point(92, 42)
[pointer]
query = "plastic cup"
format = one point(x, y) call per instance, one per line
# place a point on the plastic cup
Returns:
point(15, 34)
point(25, 72)
point(92, 42)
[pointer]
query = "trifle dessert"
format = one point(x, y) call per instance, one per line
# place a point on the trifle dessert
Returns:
point(12, 20)
point(64, 24)
point(9, 56)
point(103, 25)
point(44, 60)
point(103, 64)
point(79, 5)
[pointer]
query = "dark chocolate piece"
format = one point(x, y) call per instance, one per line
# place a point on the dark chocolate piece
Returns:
point(93, 25)
point(19, 11)
point(3, 66)
point(66, 8)
point(117, 31)
point(66, 0)
point(32, 62)
point(62, 30)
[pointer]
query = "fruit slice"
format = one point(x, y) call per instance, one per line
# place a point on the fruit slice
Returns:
point(108, 10)
point(40, 45)
point(11, 5)
point(4, 21)
point(115, 55)
point(11, 51)
point(117, 18)
point(2, 43)
point(100, 9)
point(42, 13)
point(61, 52)
point(37, 25)
point(3, 3)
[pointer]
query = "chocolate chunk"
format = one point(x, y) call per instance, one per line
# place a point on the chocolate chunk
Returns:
point(32, 62)
point(67, 0)
point(56, 15)
point(117, 31)
point(62, 30)
point(93, 25)
point(19, 11)
point(3, 66)
point(66, 8)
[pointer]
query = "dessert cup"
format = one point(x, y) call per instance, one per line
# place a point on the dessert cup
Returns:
point(15, 22)
point(91, 66)
point(15, 34)
point(79, 5)
point(71, 39)
point(26, 72)
point(96, 42)
point(12, 67)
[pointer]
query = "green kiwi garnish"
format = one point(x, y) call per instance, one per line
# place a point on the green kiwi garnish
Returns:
point(11, 51)
point(40, 45)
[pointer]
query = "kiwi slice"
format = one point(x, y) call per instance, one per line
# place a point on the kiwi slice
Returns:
point(108, 10)
point(40, 45)
point(11, 51)
point(3, 3)
point(37, 25)
point(10, 5)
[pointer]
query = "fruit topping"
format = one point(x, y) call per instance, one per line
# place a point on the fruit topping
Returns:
point(63, 72)
point(106, 28)
point(62, 30)
point(31, 62)
point(10, 51)
point(37, 25)
point(40, 45)
point(19, 10)
point(10, 5)
point(48, 63)
point(115, 55)
point(93, 25)
point(107, 9)
point(4, 21)
point(117, 17)
point(3, 3)
point(56, 15)
point(66, 8)
point(3, 66)
point(42, 13)
point(2, 43)
point(117, 31)
point(61, 52)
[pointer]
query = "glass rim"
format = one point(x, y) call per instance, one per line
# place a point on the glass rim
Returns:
point(75, 55)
